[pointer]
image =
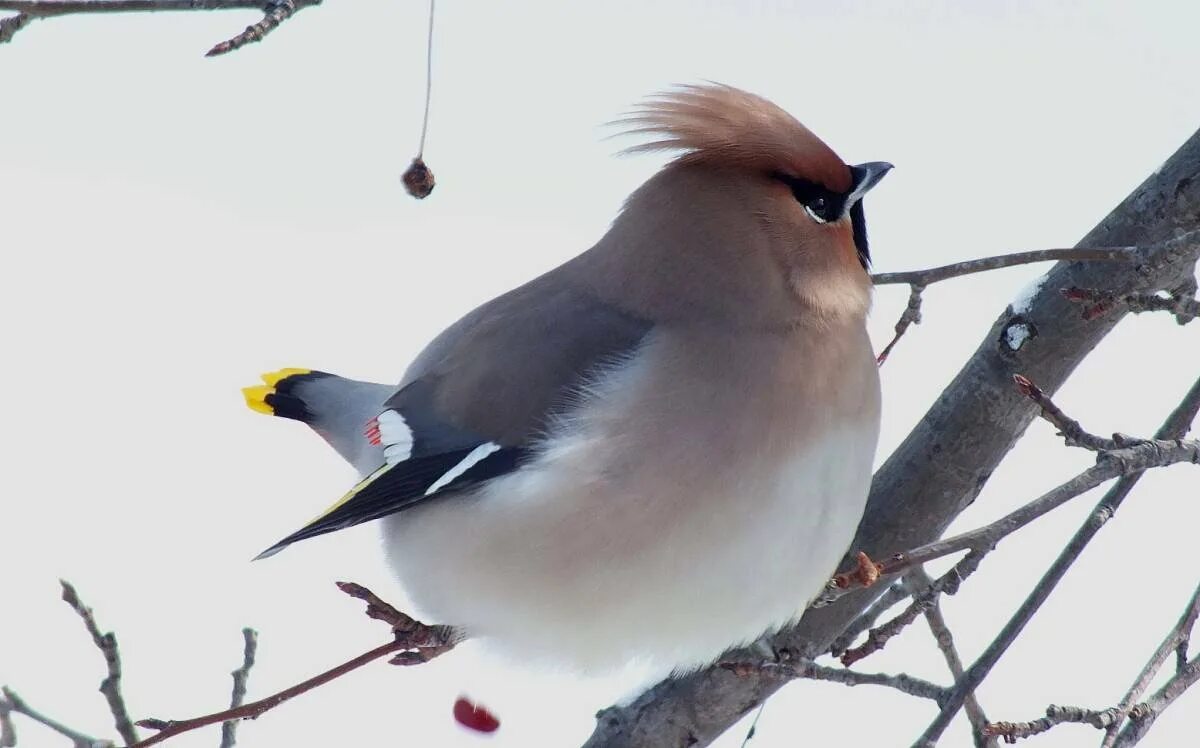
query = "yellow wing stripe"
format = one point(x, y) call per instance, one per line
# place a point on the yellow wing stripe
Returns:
point(358, 488)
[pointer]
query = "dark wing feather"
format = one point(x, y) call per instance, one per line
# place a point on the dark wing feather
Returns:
point(394, 488)
point(493, 380)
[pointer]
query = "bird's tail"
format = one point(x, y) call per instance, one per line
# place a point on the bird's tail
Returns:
point(276, 396)
point(340, 410)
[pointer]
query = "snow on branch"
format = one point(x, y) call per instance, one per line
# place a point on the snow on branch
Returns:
point(1100, 301)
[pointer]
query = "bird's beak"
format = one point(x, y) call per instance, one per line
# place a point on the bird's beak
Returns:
point(866, 176)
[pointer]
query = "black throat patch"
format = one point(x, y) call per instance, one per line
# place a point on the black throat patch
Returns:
point(858, 220)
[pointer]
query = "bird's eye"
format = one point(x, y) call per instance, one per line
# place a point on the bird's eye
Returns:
point(820, 209)
point(821, 205)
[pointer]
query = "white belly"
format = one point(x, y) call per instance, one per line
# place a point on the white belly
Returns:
point(635, 535)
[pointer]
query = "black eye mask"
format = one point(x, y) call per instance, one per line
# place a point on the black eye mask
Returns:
point(825, 206)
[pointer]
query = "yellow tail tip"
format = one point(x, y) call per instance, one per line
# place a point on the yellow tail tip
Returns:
point(256, 398)
point(272, 378)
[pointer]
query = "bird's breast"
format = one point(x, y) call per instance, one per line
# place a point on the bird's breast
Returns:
point(700, 493)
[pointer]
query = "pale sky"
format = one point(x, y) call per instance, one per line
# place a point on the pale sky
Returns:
point(173, 225)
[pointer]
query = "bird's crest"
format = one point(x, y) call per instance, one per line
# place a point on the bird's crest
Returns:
point(715, 123)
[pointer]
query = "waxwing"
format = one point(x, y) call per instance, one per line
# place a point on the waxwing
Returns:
point(659, 449)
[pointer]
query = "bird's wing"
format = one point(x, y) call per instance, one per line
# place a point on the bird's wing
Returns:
point(475, 402)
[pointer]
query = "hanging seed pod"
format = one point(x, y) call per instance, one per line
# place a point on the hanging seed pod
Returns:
point(418, 179)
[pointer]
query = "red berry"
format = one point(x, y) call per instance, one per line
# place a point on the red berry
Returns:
point(474, 717)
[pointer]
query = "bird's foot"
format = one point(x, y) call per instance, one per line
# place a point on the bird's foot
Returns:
point(865, 573)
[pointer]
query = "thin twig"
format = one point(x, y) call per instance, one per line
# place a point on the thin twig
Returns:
point(1068, 428)
point(916, 580)
point(11, 25)
point(439, 639)
point(1098, 302)
point(1142, 716)
point(1134, 459)
point(8, 731)
point(1176, 424)
point(240, 677)
point(1055, 715)
point(16, 704)
point(413, 643)
point(111, 685)
point(917, 280)
point(1179, 635)
point(811, 671)
point(171, 728)
point(49, 8)
point(910, 316)
point(275, 12)
point(894, 594)
point(948, 584)
point(983, 264)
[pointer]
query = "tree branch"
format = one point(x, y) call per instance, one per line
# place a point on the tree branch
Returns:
point(946, 460)
point(274, 12)
point(1180, 634)
point(1143, 715)
point(918, 280)
point(169, 728)
point(11, 25)
point(413, 643)
point(917, 580)
point(111, 685)
point(894, 594)
point(14, 703)
point(1176, 424)
point(1129, 461)
point(810, 670)
point(8, 732)
point(1111, 720)
point(910, 316)
point(948, 583)
point(1055, 715)
point(1141, 455)
point(1184, 309)
point(1068, 428)
point(240, 677)
point(984, 264)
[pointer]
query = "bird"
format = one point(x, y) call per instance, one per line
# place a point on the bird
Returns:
point(659, 449)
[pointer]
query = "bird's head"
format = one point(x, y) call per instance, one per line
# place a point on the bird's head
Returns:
point(757, 220)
